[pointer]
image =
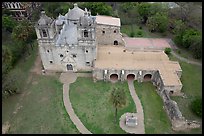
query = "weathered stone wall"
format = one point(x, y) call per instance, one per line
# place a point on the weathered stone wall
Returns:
point(109, 36)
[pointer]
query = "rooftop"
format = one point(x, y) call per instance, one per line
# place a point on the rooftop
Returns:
point(107, 20)
point(111, 57)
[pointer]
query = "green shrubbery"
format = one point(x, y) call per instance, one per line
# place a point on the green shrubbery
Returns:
point(167, 51)
point(196, 107)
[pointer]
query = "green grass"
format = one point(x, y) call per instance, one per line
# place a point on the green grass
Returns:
point(192, 86)
point(128, 29)
point(42, 105)
point(155, 118)
point(91, 104)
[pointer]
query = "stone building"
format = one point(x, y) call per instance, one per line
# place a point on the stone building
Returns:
point(79, 41)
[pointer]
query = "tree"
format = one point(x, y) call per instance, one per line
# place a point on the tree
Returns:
point(189, 36)
point(24, 32)
point(118, 99)
point(100, 8)
point(158, 22)
point(196, 47)
point(144, 10)
point(8, 23)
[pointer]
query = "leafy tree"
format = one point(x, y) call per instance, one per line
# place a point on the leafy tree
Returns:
point(8, 23)
point(158, 22)
point(118, 99)
point(189, 36)
point(98, 7)
point(196, 47)
point(144, 10)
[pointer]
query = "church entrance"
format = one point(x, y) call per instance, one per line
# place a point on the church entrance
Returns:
point(130, 77)
point(69, 67)
point(115, 43)
point(147, 77)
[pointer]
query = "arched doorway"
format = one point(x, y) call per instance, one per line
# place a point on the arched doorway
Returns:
point(113, 77)
point(115, 42)
point(69, 67)
point(147, 77)
point(130, 77)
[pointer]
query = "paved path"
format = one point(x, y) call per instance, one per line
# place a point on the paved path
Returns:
point(68, 78)
point(140, 115)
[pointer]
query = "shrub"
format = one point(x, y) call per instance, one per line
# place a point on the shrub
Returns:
point(139, 33)
point(196, 107)
point(132, 34)
point(167, 51)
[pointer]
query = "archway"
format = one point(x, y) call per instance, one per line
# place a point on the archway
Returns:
point(115, 42)
point(69, 67)
point(147, 77)
point(114, 77)
point(130, 77)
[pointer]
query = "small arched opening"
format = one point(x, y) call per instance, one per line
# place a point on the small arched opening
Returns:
point(69, 67)
point(147, 77)
point(115, 42)
point(130, 77)
point(113, 77)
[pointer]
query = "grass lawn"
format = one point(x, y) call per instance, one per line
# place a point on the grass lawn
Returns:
point(91, 104)
point(40, 104)
point(155, 118)
point(127, 29)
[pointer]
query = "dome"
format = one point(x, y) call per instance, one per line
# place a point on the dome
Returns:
point(44, 19)
point(75, 13)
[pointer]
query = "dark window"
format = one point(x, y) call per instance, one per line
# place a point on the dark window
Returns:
point(86, 33)
point(87, 51)
point(114, 31)
point(50, 62)
point(67, 51)
point(44, 33)
point(48, 51)
point(103, 32)
point(61, 55)
point(74, 55)
point(115, 42)
point(75, 23)
point(88, 63)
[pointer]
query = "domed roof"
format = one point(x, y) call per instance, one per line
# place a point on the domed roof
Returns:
point(75, 13)
point(44, 19)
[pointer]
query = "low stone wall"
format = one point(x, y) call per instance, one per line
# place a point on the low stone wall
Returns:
point(177, 120)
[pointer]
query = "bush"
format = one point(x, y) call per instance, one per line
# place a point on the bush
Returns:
point(132, 34)
point(139, 34)
point(196, 107)
point(167, 51)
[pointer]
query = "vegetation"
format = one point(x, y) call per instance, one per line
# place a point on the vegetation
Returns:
point(118, 99)
point(196, 106)
point(91, 104)
point(167, 51)
point(155, 118)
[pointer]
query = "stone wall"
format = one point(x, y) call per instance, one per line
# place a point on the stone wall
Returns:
point(107, 34)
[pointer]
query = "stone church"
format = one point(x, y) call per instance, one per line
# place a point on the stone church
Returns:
point(79, 41)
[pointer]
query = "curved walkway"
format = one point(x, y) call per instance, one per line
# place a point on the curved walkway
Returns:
point(68, 78)
point(140, 115)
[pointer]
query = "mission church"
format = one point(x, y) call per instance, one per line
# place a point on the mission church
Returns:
point(79, 41)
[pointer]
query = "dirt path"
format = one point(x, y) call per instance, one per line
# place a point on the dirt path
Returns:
point(68, 78)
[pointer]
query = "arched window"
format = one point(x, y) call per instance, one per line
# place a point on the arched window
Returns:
point(86, 33)
point(44, 33)
point(115, 42)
